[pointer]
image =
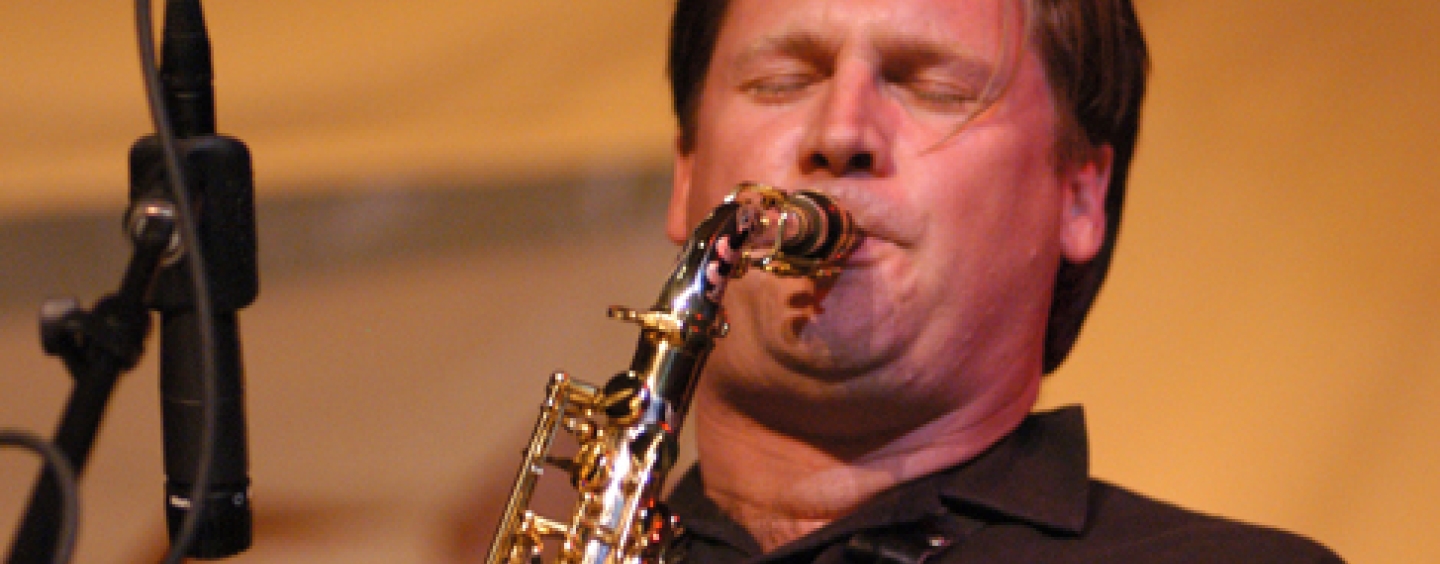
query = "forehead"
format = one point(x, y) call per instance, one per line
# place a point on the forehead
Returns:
point(973, 27)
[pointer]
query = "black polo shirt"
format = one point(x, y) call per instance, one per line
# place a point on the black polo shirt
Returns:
point(1027, 499)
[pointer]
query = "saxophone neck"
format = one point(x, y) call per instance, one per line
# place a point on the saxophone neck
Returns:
point(628, 429)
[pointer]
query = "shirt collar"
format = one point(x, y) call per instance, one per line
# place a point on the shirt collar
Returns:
point(1039, 474)
point(701, 516)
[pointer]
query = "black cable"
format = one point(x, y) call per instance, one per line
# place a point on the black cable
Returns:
point(65, 480)
point(175, 174)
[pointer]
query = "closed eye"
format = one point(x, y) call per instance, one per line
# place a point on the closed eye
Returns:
point(779, 88)
point(941, 96)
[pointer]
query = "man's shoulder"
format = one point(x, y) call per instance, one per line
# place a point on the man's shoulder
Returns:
point(1150, 530)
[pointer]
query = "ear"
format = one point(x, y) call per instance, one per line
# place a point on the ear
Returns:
point(1082, 231)
point(677, 223)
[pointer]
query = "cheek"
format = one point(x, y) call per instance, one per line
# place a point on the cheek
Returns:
point(993, 234)
point(749, 143)
point(1006, 198)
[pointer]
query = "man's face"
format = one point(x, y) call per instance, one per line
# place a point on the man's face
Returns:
point(945, 301)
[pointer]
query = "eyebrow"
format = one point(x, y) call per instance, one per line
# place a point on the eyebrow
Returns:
point(898, 53)
point(803, 45)
point(907, 53)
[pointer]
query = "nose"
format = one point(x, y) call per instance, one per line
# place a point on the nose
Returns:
point(849, 135)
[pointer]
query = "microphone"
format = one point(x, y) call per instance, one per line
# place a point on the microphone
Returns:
point(220, 188)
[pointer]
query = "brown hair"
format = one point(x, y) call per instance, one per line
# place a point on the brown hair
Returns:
point(1096, 63)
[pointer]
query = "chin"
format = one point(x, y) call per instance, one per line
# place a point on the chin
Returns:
point(827, 331)
point(820, 395)
point(859, 320)
point(825, 352)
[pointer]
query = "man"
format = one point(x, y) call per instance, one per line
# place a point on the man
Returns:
point(883, 415)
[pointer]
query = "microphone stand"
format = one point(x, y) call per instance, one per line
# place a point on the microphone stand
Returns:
point(97, 346)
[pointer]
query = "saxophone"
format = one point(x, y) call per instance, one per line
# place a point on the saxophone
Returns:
point(627, 431)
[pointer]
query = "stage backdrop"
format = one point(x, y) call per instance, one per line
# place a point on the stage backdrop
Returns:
point(452, 191)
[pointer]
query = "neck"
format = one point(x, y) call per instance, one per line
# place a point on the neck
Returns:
point(781, 487)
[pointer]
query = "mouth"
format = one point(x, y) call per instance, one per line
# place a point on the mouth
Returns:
point(867, 252)
point(883, 223)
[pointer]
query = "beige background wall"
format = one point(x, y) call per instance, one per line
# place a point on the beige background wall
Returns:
point(452, 191)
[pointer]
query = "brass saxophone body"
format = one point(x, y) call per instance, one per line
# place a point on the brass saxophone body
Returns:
point(627, 430)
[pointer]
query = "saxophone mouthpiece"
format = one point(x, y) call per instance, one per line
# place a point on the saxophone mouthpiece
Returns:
point(800, 233)
point(819, 229)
